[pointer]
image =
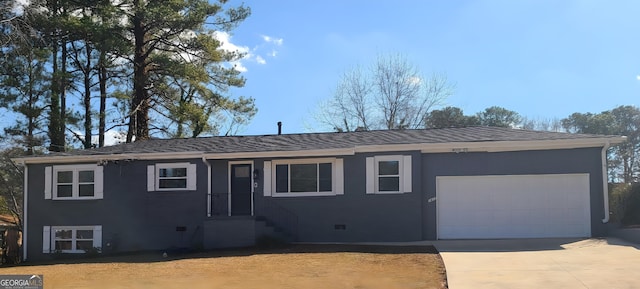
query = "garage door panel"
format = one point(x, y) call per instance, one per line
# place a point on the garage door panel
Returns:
point(513, 206)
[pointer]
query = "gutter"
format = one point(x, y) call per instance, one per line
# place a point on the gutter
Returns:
point(204, 160)
point(479, 146)
point(605, 183)
point(24, 212)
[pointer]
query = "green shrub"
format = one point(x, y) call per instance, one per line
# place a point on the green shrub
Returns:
point(624, 203)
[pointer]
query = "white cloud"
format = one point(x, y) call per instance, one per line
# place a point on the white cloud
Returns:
point(256, 54)
point(270, 43)
point(269, 39)
point(638, 77)
point(237, 65)
point(111, 137)
point(225, 40)
point(415, 80)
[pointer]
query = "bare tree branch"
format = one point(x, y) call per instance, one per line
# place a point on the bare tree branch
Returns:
point(391, 94)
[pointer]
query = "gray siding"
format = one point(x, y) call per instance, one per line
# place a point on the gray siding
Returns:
point(131, 218)
point(410, 217)
point(514, 163)
point(391, 217)
point(134, 219)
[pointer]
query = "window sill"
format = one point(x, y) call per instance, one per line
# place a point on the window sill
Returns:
point(388, 193)
point(74, 198)
point(71, 251)
point(174, 190)
point(307, 194)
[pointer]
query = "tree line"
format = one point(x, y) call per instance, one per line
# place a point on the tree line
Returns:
point(72, 70)
point(624, 165)
point(392, 93)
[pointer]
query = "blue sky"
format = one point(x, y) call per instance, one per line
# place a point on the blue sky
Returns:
point(543, 59)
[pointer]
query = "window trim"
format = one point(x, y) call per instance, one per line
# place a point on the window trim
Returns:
point(404, 174)
point(49, 236)
point(75, 184)
point(153, 171)
point(336, 178)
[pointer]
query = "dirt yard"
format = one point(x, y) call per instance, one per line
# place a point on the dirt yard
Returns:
point(301, 266)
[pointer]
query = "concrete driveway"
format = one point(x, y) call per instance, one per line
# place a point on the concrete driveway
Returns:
point(541, 263)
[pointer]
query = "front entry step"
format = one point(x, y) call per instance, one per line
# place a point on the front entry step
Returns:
point(264, 228)
point(239, 231)
point(229, 233)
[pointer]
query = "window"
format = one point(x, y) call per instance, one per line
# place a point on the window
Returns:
point(73, 182)
point(171, 177)
point(304, 177)
point(388, 174)
point(71, 239)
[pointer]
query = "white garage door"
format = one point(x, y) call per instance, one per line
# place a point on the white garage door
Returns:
point(513, 206)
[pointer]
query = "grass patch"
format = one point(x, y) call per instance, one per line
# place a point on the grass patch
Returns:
point(300, 266)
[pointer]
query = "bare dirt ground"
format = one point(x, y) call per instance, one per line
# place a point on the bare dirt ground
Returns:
point(300, 266)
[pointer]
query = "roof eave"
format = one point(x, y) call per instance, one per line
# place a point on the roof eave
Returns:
point(106, 157)
point(480, 146)
point(495, 146)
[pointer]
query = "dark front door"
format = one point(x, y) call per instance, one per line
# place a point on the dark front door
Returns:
point(241, 189)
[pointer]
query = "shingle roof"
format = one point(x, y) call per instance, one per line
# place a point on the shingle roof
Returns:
point(333, 140)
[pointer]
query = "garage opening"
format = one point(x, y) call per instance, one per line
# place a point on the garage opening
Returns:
point(513, 206)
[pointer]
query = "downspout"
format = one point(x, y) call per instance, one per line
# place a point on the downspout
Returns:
point(204, 160)
point(605, 183)
point(24, 212)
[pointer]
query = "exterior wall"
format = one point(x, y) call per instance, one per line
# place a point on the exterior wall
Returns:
point(514, 163)
point(410, 216)
point(131, 218)
point(229, 233)
point(373, 217)
point(134, 219)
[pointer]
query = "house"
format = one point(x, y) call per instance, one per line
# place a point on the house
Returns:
point(373, 186)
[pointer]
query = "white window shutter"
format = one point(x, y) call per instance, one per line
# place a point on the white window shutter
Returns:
point(98, 185)
point(151, 178)
point(371, 178)
point(97, 237)
point(339, 177)
point(266, 179)
point(48, 175)
point(406, 174)
point(191, 177)
point(46, 239)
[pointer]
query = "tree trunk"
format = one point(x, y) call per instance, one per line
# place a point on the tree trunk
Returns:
point(63, 96)
point(139, 118)
point(87, 99)
point(54, 113)
point(102, 77)
point(30, 142)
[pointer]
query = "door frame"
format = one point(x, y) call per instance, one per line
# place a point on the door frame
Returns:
point(230, 164)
